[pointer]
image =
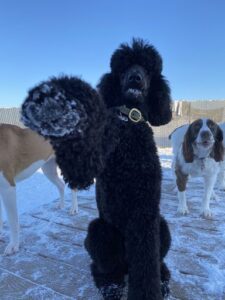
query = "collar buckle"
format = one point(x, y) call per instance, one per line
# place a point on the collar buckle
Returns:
point(135, 115)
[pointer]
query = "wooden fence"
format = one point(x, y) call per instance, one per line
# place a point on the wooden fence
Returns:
point(183, 112)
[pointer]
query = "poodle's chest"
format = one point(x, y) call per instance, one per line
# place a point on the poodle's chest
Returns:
point(134, 155)
point(129, 154)
point(130, 160)
point(136, 141)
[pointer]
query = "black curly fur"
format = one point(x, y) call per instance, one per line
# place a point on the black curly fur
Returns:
point(72, 132)
point(128, 189)
point(129, 237)
point(158, 100)
point(141, 53)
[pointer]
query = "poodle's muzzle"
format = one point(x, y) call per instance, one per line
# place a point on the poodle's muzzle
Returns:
point(135, 83)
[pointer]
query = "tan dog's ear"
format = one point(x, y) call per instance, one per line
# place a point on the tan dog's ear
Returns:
point(188, 151)
point(218, 149)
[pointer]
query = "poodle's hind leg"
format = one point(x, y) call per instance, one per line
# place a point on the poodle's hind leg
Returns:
point(142, 240)
point(165, 278)
point(165, 242)
point(105, 245)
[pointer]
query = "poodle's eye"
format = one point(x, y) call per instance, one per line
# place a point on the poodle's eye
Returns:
point(122, 76)
point(148, 73)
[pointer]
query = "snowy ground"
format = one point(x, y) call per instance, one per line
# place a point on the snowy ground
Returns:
point(52, 263)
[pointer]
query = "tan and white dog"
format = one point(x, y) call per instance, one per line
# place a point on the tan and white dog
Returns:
point(22, 152)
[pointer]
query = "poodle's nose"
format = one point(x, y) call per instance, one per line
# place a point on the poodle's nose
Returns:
point(135, 77)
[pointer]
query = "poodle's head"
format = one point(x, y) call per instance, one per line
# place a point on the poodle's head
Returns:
point(135, 80)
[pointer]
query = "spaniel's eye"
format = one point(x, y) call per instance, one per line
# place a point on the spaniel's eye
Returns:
point(212, 126)
point(197, 126)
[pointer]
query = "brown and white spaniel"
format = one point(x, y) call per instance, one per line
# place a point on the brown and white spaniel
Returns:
point(198, 151)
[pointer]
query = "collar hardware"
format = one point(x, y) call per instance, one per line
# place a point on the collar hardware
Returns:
point(132, 114)
point(135, 115)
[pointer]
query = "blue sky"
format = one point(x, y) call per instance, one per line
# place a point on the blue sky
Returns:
point(42, 38)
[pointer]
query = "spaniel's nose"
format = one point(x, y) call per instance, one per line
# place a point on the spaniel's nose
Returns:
point(135, 77)
point(206, 134)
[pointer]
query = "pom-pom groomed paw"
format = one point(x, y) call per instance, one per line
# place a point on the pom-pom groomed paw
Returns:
point(112, 292)
point(70, 113)
point(58, 107)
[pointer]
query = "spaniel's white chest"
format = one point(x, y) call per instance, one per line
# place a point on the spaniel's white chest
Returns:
point(200, 167)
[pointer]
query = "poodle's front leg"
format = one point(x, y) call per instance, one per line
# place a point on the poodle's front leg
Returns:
point(70, 113)
point(143, 255)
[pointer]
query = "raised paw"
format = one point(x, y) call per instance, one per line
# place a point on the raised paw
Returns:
point(58, 108)
point(12, 248)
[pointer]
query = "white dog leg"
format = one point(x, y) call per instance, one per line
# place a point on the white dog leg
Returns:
point(209, 185)
point(182, 206)
point(221, 179)
point(174, 177)
point(74, 206)
point(214, 196)
point(1, 219)
point(9, 200)
point(50, 171)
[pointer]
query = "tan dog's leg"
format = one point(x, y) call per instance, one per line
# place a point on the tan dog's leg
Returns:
point(9, 200)
point(74, 206)
point(50, 171)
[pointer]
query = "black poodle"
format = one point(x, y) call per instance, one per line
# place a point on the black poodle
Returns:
point(107, 135)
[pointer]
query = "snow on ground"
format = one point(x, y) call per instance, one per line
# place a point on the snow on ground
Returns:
point(196, 258)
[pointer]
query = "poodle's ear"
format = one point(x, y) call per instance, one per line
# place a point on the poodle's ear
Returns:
point(109, 88)
point(159, 101)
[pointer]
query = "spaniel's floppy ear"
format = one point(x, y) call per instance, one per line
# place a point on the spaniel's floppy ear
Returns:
point(159, 101)
point(218, 149)
point(187, 148)
point(109, 88)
